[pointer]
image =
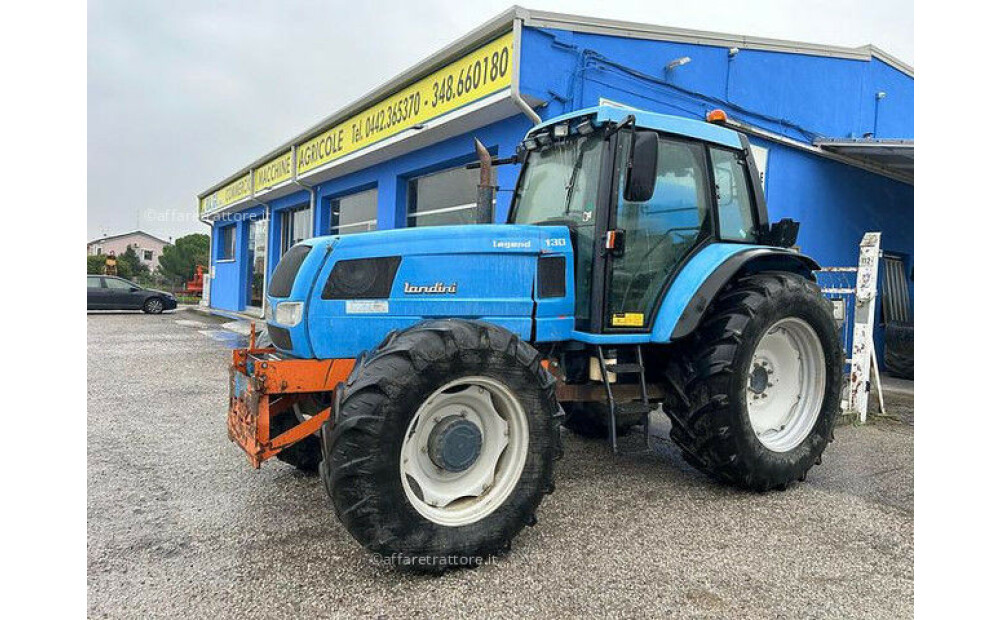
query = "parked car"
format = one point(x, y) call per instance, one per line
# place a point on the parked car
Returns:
point(114, 293)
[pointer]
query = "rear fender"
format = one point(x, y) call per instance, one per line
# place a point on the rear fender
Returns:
point(702, 278)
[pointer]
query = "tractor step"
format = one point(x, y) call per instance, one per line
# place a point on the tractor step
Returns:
point(641, 407)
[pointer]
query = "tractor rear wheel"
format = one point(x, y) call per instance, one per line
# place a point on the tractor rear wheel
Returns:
point(761, 382)
point(443, 444)
point(590, 420)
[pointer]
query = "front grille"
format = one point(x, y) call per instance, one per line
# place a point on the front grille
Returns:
point(287, 269)
point(280, 337)
point(362, 278)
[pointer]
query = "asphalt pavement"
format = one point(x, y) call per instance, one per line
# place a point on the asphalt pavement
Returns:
point(179, 525)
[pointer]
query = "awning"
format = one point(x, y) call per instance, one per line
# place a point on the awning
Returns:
point(895, 157)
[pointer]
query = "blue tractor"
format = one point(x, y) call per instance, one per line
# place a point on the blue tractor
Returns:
point(425, 372)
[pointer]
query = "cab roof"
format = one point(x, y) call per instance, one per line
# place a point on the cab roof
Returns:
point(677, 125)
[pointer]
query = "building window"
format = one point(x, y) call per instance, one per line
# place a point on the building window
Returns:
point(147, 255)
point(100, 250)
point(354, 213)
point(442, 198)
point(295, 227)
point(227, 243)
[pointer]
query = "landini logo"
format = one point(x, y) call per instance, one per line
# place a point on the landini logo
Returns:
point(438, 288)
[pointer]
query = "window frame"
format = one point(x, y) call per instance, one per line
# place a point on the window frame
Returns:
point(411, 197)
point(227, 249)
point(288, 216)
point(334, 203)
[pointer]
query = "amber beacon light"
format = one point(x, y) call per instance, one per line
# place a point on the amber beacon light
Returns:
point(716, 116)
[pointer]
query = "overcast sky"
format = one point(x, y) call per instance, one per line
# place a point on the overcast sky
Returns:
point(182, 93)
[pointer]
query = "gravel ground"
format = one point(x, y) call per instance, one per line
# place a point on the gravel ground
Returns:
point(179, 524)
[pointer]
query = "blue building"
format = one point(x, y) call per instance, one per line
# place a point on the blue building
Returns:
point(831, 129)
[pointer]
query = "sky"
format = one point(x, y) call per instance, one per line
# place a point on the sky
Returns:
point(181, 94)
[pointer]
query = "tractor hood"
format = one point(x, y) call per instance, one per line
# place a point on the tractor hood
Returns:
point(355, 289)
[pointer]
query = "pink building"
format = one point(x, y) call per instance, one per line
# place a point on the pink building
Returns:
point(148, 247)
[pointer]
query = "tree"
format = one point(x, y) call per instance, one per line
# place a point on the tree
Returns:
point(178, 260)
point(95, 264)
point(130, 260)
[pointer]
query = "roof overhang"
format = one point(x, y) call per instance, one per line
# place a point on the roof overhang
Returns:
point(894, 156)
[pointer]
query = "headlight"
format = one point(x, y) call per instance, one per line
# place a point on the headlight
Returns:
point(288, 313)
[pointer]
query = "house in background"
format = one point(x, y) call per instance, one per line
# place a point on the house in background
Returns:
point(147, 247)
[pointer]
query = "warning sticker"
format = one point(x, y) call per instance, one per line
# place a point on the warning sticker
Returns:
point(628, 319)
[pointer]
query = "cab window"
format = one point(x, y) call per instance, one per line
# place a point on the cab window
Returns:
point(732, 192)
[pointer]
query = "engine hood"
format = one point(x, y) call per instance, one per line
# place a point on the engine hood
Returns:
point(468, 239)
point(487, 272)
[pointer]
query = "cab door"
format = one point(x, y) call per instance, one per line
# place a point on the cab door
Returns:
point(656, 236)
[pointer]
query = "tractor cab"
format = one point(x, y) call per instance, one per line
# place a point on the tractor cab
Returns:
point(641, 194)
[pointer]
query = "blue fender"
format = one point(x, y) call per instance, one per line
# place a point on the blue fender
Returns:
point(707, 272)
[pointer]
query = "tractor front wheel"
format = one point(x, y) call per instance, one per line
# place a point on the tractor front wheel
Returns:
point(443, 444)
point(760, 381)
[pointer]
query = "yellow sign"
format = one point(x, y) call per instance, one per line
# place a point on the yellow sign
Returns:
point(628, 319)
point(276, 171)
point(232, 193)
point(474, 76)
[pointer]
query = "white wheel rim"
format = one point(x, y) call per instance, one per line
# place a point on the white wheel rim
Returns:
point(459, 498)
point(785, 384)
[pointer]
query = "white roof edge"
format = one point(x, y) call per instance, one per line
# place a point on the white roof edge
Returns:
point(703, 37)
point(565, 21)
point(889, 59)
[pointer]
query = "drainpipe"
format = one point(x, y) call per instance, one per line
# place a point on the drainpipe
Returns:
point(515, 81)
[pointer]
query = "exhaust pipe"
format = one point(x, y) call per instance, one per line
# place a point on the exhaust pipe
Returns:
point(486, 190)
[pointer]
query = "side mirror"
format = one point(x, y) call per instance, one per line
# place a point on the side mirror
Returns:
point(641, 177)
point(134, 289)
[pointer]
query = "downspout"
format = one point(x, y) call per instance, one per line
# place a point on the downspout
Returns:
point(515, 82)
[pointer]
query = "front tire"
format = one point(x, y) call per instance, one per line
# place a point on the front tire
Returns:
point(443, 445)
point(761, 379)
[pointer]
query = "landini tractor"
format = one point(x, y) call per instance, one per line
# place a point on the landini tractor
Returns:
point(425, 372)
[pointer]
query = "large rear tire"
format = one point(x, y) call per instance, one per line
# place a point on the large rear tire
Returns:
point(761, 381)
point(443, 444)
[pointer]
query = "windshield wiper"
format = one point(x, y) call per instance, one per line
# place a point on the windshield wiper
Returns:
point(571, 185)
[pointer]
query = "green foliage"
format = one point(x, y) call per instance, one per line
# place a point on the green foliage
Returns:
point(95, 263)
point(178, 260)
point(129, 263)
